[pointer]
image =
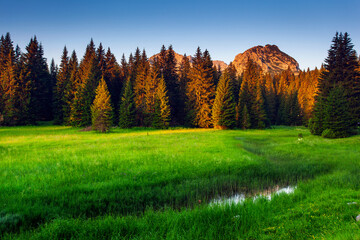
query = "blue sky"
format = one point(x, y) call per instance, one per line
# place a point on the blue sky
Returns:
point(302, 29)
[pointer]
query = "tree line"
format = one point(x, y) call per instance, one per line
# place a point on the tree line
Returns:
point(160, 93)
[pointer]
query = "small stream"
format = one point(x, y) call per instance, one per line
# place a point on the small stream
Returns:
point(240, 198)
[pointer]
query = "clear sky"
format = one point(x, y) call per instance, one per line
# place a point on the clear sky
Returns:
point(302, 29)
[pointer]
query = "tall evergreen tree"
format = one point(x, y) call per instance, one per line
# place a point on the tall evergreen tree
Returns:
point(101, 110)
point(224, 105)
point(140, 85)
point(340, 71)
point(184, 74)
point(113, 80)
point(37, 74)
point(62, 82)
point(70, 88)
point(89, 75)
point(127, 108)
point(259, 108)
point(162, 110)
point(248, 93)
point(172, 83)
point(337, 114)
point(200, 91)
point(9, 114)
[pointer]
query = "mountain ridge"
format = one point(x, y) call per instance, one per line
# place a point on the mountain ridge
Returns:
point(269, 57)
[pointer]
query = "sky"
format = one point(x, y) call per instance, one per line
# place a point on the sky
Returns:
point(302, 29)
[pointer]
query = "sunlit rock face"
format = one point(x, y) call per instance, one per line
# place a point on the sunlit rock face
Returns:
point(269, 58)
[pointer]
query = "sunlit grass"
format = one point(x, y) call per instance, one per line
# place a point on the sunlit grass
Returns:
point(59, 182)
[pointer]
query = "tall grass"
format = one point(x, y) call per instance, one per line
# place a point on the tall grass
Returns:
point(58, 182)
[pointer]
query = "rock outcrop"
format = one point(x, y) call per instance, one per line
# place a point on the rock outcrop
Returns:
point(270, 59)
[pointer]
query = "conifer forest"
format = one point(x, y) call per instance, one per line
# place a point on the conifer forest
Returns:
point(168, 147)
point(159, 94)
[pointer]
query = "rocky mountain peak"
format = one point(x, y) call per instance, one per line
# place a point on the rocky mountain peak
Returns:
point(270, 58)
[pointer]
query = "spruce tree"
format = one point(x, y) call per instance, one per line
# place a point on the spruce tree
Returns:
point(113, 80)
point(337, 115)
point(101, 110)
point(184, 73)
point(62, 82)
point(127, 108)
point(151, 85)
point(89, 75)
point(270, 96)
point(37, 74)
point(70, 88)
point(248, 93)
point(172, 83)
point(162, 112)
point(340, 71)
point(200, 91)
point(140, 84)
point(245, 119)
point(10, 114)
point(223, 111)
point(259, 108)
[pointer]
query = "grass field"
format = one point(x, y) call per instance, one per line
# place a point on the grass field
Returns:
point(60, 183)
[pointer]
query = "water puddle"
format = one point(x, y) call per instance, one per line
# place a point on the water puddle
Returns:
point(240, 198)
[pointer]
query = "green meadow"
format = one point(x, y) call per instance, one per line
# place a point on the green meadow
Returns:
point(61, 183)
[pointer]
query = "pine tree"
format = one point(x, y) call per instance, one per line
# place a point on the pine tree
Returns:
point(127, 108)
point(89, 75)
point(248, 93)
point(223, 112)
point(70, 88)
point(184, 73)
point(151, 85)
point(162, 112)
point(200, 92)
point(259, 108)
point(270, 96)
point(337, 120)
point(62, 82)
point(245, 120)
point(101, 110)
point(37, 74)
point(340, 71)
point(10, 112)
point(140, 85)
point(113, 80)
point(172, 83)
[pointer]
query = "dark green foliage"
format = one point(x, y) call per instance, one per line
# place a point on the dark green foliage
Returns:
point(270, 96)
point(37, 75)
point(101, 110)
point(259, 108)
point(223, 111)
point(337, 114)
point(127, 108)
point(340, 72)
point(184, 74)
point(70, 88)
point(113, 79)
point(62, 82)
point(252, 95)
point(245, 119)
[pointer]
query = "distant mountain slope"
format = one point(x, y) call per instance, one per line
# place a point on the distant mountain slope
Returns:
point(270, 59)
